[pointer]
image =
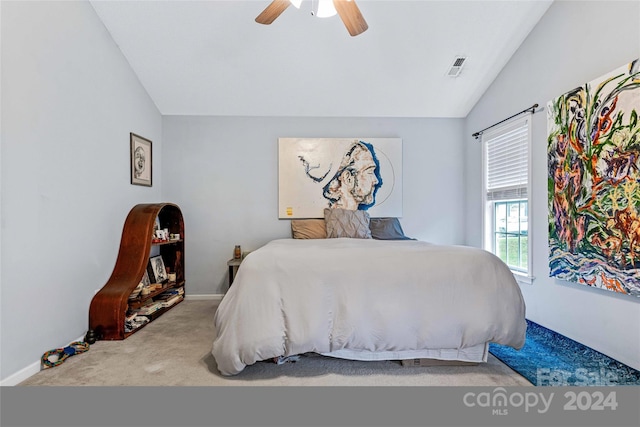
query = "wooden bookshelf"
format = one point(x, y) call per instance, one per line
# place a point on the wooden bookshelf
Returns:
point(109, 306)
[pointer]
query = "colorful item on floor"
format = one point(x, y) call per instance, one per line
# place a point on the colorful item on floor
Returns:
point(62, 354)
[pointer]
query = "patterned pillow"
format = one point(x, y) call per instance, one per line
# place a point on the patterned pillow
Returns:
point(347, 223)
point(308, 229)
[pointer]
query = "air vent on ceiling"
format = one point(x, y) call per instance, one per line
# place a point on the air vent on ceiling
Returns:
point(456, 67)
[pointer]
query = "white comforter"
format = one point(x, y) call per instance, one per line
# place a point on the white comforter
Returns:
point(362, 295)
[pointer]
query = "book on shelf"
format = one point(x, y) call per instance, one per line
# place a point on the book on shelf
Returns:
point(169, 293)
point(149, 308)
point(171, 301)
point(135, 322)
point(170, 296)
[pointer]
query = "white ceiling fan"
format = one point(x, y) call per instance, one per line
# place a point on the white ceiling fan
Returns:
point(346, 9)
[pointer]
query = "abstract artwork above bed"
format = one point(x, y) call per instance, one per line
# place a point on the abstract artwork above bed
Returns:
point(348, 173)
point(594, 182)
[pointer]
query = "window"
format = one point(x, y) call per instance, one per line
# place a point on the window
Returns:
point(506, 167)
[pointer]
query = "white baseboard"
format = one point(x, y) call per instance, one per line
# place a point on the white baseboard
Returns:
point(34, 368)
point(21, 375)
point(27, 372)
point(216, 297)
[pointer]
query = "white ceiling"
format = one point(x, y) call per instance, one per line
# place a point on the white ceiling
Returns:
point(212, 58)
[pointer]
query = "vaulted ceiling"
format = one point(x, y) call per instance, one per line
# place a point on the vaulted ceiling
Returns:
point(212, 58)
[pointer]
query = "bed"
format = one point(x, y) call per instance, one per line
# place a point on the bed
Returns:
point(367, 299)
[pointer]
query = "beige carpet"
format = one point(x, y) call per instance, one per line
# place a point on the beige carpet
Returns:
point(175, 351)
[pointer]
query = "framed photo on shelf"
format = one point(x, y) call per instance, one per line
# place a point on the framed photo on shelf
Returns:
point(145, 278)
point(157, 271)
point(141, 160)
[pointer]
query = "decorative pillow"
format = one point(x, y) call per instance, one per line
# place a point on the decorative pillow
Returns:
point(387, 229)
point(308, 229)
point(347, 223)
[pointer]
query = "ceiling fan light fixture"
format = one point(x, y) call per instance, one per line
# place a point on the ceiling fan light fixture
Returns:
point(347, 10)
point(325, 9)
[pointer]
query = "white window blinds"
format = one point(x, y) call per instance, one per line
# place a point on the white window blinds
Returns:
point(507, 160)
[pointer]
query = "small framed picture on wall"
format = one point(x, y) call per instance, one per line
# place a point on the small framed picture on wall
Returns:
point(141, 161)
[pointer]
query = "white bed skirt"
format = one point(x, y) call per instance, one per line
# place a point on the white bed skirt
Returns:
point(476, 354)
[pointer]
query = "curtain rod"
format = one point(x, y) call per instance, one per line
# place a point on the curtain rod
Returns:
point(532, 109)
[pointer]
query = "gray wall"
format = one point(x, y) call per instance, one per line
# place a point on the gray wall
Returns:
point(223, 173)
point(574, 43)
point(69, 101)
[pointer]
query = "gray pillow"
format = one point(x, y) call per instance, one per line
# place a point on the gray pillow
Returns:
point(347, 223)
point(387, 229)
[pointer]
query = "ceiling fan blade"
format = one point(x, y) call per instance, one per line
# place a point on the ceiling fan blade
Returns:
point(351, 16)
point(271, 12)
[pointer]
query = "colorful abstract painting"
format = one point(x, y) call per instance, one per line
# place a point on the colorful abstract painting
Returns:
point(594, 183)
point(347, 173)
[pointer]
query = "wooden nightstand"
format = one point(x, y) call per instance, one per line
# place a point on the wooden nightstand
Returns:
point(233, 264)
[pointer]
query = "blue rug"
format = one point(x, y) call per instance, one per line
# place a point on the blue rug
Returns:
point(551, 359)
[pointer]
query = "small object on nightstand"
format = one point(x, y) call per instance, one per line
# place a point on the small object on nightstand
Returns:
point(237, 252)
point(233, 264)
